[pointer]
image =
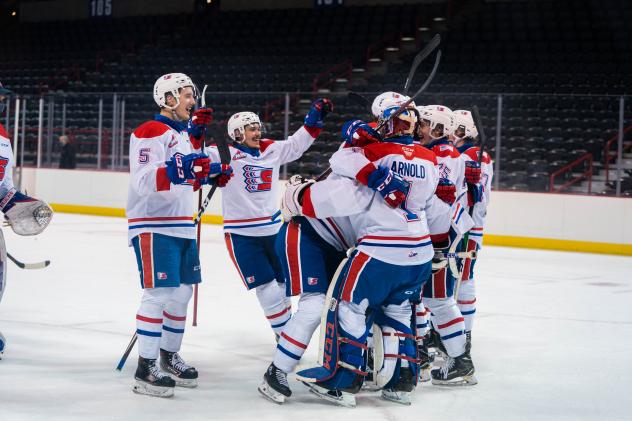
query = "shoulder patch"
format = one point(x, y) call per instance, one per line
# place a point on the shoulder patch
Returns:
point(445, 151)
point(150, 129)
point(3, 132)
point(472, 153)
point(376, 151)
point(265, 144)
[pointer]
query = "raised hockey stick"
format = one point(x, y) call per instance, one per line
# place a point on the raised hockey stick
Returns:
point(121, 363)
point(421, 56)
point(38, 265)
point(401, 108)
point(466, 238)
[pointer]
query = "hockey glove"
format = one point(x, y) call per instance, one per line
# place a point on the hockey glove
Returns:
point(291, 201)
point(472, 172)
point(359, 133)
point(446, 191)
point(317, 112)
point(26, 215)
point(181, 168)
point(390, 185)
point(219, 174)
point(196, 128)
point(474, 194)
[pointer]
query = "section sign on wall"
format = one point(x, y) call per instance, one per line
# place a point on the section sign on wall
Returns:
point(100, 8)
point(328, 3)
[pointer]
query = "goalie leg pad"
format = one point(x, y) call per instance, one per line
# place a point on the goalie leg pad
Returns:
point(399, 347)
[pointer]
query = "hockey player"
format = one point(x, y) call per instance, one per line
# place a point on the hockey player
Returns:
point(479, 183)
point(437, 123)
point(249, 204)
point(26, 215)
point(311, 250)
point(387, 269)
point(166, 165)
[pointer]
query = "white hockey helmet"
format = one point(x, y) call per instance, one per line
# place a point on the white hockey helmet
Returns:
point(237, 124)
point(438, 115)
point(463, 120)
point(386, 100)
point(171, 83)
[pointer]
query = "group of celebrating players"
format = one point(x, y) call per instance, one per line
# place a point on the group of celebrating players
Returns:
point(379, 250)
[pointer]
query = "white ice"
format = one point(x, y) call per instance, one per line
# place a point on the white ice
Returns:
point(552, 338)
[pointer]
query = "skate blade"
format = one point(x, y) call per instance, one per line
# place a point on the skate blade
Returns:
point(189, 383)
point(458, 382)
point(143, 388)
point(345, 399)
point(370, 387)
point(402, 398)
point(271, 394)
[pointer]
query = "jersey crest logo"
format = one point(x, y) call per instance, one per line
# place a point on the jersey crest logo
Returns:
point(3, 165)
point(257, 179)
point(239, 155)
point(173, 141)
point(444, 170)
point(408, 152)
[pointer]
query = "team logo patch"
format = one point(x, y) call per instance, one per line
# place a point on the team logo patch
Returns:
point(312, 281)
point(412, 254)
point(408, 152)
point(239, 155)
point(196, 268)
point(257, 179)
point(250, 279)
point(444, 170)
point(173, 142)
point(161, 275)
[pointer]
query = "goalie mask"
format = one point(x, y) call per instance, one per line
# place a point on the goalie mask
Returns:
point(440, 119)
point(403, 124)
point(237, 124)
point(171, 84)
point(464, 126)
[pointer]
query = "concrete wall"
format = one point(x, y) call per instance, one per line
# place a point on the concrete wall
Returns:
point(563, 222)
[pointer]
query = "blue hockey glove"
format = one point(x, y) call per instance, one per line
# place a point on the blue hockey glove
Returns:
point(359, 133)
point(390, 185)
point(181, 168)
point(317, 112)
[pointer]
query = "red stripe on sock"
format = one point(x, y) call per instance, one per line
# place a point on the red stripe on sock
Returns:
point(450, 323)
point(293, 341)
point(280, 313)
point(148, 319)
point(172, 317)
point(467, 302)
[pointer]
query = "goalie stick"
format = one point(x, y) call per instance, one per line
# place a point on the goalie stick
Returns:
point(466, 238)
point(401, 107)
point(38, 265)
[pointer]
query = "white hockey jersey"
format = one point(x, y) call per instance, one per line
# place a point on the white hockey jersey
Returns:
point(450, 164)
point(153, 203)
point(398, 236)
point(249, 200)
point(6, 163)
point(470, 153)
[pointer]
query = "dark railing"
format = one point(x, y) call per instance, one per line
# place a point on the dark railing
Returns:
point(327, 77)
point(587, 161)
point(608, 156)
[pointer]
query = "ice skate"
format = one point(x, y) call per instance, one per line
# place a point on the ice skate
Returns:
point(275, 386)
point(337, 396)
point(151, 381)
point(174, 366)
point(400, 393)
point(458, 371)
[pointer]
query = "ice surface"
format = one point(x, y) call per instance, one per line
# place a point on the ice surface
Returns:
point(552, 338)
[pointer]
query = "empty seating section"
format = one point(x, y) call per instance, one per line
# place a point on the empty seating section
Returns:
point(558, 65)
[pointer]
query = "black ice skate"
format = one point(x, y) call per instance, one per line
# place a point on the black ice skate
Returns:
point(343, 397)
point(458, 371)
point(275, 386)
point(174, 366)
point(151, 381)
point(400, 393)
point(425, 359)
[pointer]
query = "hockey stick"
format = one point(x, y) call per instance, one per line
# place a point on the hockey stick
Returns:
point(421, 56)
point(466, 238)
point(121, 363)
point(38, 265)
point(199, 226)
point(401, 108)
